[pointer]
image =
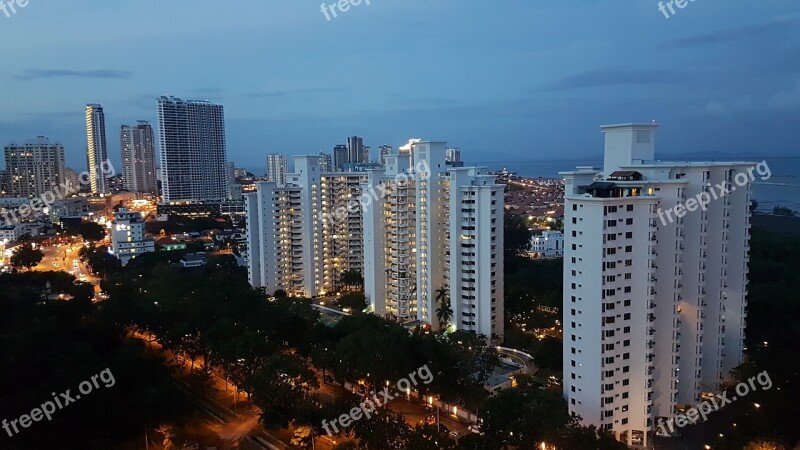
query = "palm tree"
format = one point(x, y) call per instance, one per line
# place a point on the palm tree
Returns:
point(444, 312)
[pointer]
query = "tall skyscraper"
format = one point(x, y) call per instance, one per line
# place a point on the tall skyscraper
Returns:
point(96, 150)
point(355, 150)
point(326, 162)
point(435, 234)
point(277, 168)
point(453, 154)
point(654, 310)
point(340, 157)
point(193, 151)
point(383, 152)
point(35, 167)
point(138, 153)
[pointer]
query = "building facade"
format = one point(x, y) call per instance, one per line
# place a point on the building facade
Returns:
point(128, 236)
point(453, 155)
point(549, 244)
point(193, 151)
point(277, 168)
point(434, 239)
point(96, 149)
point(35, 167)
point(654, 309)
point(138, 155)
point(292, 245)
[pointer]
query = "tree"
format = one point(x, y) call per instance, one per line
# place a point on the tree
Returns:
point(352, 278)
point(516, 235)
point(91, 231)
point(444, 312)
point(384, 430)
point(524, 417)
point(281, 387)
point(784, 211)
point(576, 436)
point(357, 302)
point(25, 256)
point(427, 437)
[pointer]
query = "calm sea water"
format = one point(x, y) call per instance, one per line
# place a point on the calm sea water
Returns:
point(781, 189)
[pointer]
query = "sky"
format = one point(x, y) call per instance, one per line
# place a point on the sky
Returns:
point(504, 80)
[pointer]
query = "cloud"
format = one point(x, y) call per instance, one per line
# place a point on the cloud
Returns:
point(769, 32)
point(36, 74)
point(614, 77)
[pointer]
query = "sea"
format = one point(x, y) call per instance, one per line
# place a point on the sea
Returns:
point(781, 189)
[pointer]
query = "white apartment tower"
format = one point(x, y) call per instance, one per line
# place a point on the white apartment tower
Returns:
point(128, 236)
point(296, 241)
point(277, 168)
point(192, 150)
point(138, 154)
point(35, 168)
point(96, 150)
point(434, 231)
point(654, 310)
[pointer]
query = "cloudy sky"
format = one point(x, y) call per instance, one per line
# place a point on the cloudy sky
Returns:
point(505, 80)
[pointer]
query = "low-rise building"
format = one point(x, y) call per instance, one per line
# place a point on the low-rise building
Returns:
point(549, 244)
point(128, 236)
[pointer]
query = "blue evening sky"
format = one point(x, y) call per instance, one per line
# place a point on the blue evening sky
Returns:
point(505, 80)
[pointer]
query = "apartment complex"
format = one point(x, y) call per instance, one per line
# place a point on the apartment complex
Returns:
point(424, 237)
point(290, 247)
point(434, 239)
point(654, 310)
point(277, 168)
point(138, 154)
point(34, 168)
point(128, 236)
point(96, 149)
point(194, 164)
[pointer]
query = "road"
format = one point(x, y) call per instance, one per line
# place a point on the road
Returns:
point(65, 258)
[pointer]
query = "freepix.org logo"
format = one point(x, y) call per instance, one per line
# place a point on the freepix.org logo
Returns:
point(10, 7)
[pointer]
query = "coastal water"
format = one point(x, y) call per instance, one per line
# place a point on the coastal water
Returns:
point(781, 189)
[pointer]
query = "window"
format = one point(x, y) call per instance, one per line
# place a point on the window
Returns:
point(629, 207)
point(626, 316)
point(626, 343)
point(629, 235)
point(628, 221)
point(627, 289)
point(628, 248)
point(626, 330)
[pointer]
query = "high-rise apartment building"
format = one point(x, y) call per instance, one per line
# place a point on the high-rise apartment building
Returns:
point(383, 152)
point(654, 309)
point(192, 150)
point(277, 168)
point(325, 162)
point(355, 150)
point(295, 242)
point(340, 157)
point(435, 239)
point(453, 154)
point(128, 236)
point(138, 153)
point(96, 150)
point(34, 168)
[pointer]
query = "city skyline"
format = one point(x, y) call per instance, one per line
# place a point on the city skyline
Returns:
point(290, 104)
